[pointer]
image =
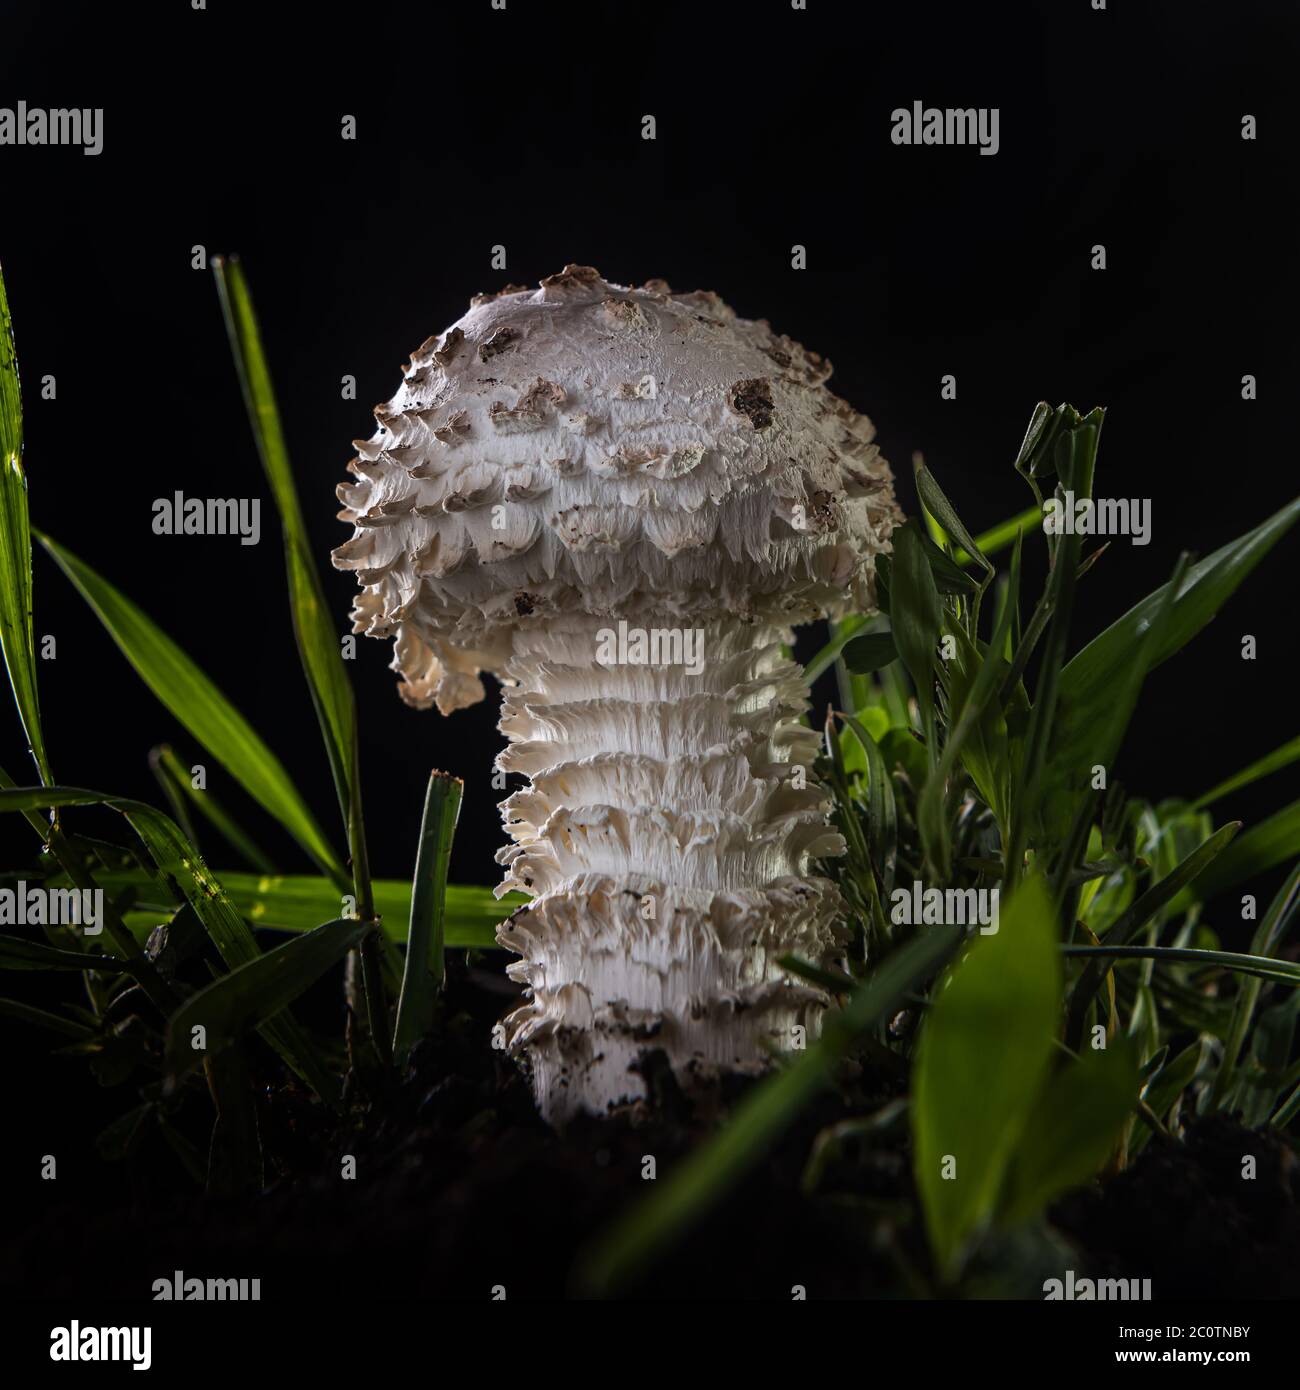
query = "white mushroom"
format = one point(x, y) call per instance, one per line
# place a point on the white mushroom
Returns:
point(619, 501)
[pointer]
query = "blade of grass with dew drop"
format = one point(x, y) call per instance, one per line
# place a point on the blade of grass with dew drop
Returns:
point(16, 548)
point(1265, 941)
point(423, 975)
point(181, 863)
point(256, 993)
point(18, 953)
point(1137, 915)
point(1279, 758)
point(679, 1198)
point(984, 1050)
point(196, 703)
point(171, 767)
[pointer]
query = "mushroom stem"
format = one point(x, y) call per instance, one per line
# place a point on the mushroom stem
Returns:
point(667, 834)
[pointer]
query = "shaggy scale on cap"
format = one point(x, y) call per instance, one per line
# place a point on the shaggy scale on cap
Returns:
point(564, 460)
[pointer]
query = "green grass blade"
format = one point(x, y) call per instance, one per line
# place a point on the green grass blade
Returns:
point(1268, 936)
point(257, 992)
point(318, 642)
point(1087, 678)
point(1085, 737)
point(173, 772)
point(916, 617)
point(680, 1198)
point(196, 703)
point(1284, 971)
point(1262, 847)
point(423, 976)
point(42, 1018)
point(1279, 758)
point(882, 809)
point(16, 548)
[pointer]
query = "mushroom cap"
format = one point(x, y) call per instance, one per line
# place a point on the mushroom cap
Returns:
point(592, 448)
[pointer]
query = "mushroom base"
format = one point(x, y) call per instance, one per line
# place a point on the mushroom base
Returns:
point(667, 834)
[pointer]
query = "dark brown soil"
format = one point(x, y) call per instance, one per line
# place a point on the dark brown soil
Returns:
point(459, 1187)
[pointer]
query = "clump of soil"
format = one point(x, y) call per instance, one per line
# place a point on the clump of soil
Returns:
point(460, 1188)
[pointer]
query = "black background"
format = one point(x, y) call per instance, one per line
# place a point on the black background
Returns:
point(523, 128)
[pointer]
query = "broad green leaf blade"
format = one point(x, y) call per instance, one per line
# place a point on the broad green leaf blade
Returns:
point(984, 1050)
point(423, 976)
point(938, 505)
point(1072, 1129)
point(16, 548)
point(299, 902)
point(1082, 740)
point(870, 652)
point(1088, 677)
point(196, 703)
point(1279, 758)
point(256, 993)
point(716, 1166)
point(916, 617)
point(949, 577)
